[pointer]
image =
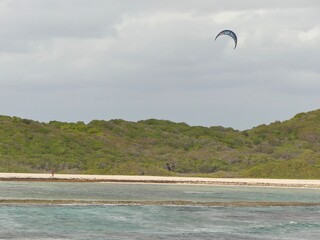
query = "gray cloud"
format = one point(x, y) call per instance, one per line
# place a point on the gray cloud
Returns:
point(74, 60)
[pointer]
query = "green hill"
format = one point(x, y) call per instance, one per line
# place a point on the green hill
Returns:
point(289, 149)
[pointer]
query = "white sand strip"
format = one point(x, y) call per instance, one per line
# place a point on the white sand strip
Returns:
point(169, 180)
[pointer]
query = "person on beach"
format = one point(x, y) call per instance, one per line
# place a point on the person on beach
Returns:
point(168, 167)
point(172, 167)
point(52, 173)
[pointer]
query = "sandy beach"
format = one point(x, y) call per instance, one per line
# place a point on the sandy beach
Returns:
point(296, 183)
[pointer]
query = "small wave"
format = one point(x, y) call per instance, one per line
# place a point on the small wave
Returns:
point(293, 222)
point(288, 227)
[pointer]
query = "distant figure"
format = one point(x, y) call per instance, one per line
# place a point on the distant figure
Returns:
point(52, 173)
point(168, 167)
point(172, 167)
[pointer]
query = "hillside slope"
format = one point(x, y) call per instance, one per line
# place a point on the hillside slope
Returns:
point(289, 149)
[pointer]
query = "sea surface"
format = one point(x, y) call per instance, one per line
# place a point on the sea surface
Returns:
point(108, 221)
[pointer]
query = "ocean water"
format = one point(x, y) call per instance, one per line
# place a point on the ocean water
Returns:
point(155, 222)
point(152, 192)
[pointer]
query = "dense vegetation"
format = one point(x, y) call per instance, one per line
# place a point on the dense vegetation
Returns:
point(289, 149)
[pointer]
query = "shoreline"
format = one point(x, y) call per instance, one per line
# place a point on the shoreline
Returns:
point(255, 182)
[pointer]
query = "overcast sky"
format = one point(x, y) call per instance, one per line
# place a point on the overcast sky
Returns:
point(79, 60)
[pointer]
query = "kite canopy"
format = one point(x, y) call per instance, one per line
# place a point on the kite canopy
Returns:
point(230, 34)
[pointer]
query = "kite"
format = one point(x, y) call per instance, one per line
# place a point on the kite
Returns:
point(230, 34)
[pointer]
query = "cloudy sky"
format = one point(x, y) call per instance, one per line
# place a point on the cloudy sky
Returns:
point(79, 60)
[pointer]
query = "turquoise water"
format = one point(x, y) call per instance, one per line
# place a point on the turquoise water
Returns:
point(158, 222)
point(152, 192)
point(155, 222)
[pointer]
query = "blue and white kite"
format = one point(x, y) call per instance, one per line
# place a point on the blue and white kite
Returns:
point(230, 34)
